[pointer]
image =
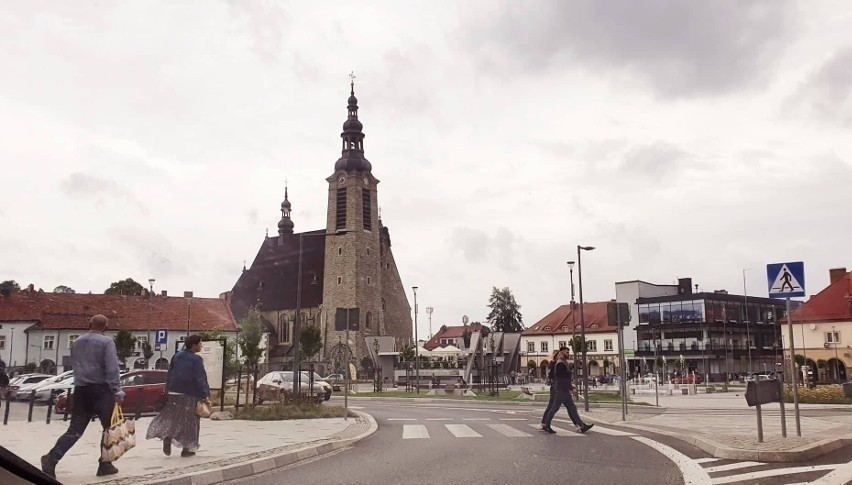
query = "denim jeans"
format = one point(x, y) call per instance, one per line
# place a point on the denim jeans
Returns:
point(563, 398)
point(88, 402)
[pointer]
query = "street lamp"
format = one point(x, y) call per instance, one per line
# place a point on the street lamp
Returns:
point(573, 317)
point(416, 343)
point(836, 359)
point(583, 326)
point(429, 311)
point(378, 369)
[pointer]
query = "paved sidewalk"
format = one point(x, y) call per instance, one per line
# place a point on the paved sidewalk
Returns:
point(229, 449)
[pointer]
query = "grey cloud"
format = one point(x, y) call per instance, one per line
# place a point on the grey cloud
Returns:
point(84, 186)
point(473, 243)
point(505, 243)
point(265, 21)
point(827, 93)
point(656, 160)
point(680, 49)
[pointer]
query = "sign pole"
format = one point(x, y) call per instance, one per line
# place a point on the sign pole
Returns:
point(760, 423)
point(795, 378)
point(783, 412)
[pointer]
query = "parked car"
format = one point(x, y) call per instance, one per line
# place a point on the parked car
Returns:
point(334, 378)
point(326, 387)
point(20, 388)
point(761, 377)
point(48, 389)
point(688, 379)
point(649, 378)
point(142, 388)
point(278, 386)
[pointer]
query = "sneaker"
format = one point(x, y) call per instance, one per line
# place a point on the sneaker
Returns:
point(48, 466)
point(186, 453)
point(586, 427)
point(549, 430)
point(106, 468)
point(167, 446)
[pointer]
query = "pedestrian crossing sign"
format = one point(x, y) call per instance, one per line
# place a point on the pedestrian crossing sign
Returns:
point(786, 280)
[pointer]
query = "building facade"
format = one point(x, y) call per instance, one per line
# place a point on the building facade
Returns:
point(822, 330)
point(52, 322)
point(342, 276)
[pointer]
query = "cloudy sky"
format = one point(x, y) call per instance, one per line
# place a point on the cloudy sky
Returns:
point(682, 139)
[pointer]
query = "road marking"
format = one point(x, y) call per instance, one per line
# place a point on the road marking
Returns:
point(842, 474)
point(560, 431)
point(356, 407)
point(402, 419)
point(476, 419)
point(509, 431)
point(439, 419)
point(774, 473)
point(513, 419)
point(414, 431)
point(732, 466)
point(705, 460)
point(611, 432)
point(462, 431)
point(692, 472)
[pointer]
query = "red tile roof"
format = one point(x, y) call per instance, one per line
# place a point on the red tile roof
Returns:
point(560, 321)
point(445, 332)
point(72, 311)
point(834, 303)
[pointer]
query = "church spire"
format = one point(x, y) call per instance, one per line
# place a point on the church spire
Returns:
point(352, 156)
point(285, 225)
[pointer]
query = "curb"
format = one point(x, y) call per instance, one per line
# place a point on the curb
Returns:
point(261, 465)
point(718, 450)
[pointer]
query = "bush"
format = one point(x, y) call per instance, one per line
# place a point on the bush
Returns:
point(821, 395)
point(280, 412)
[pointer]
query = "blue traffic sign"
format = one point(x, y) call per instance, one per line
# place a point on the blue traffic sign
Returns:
point(786, 280)
point(162, 337)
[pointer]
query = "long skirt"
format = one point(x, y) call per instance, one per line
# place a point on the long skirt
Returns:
point(177, 421)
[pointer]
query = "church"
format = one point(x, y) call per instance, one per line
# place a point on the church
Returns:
point(338, 276)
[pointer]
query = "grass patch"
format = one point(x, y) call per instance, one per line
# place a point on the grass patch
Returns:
point(280, 412)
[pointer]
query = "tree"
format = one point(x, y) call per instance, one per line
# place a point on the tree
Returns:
point(147, 350)
point(310, 341)
point(505, 313)
point(577, 346)
point(125, 287)
point(125, 343)
point(63, 289)
point(799, 359)
point(407, 354)
point(10, 285)
point(251, 334)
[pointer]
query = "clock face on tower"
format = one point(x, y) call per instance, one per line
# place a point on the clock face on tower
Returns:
point(366, 181)
point(341, 181)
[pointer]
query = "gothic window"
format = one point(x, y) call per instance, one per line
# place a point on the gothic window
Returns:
point(369, 281)
point(369, 321)
point(367, 206)
point(340, 251)
point(384, 305)
point(283, 329)
point(341, 208)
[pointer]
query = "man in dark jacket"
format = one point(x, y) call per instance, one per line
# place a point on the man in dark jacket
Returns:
point(562, 385)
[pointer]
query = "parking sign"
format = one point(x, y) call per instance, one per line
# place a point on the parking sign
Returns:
point(162, 337)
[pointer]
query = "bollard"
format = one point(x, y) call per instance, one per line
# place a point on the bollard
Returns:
point(140, 401)
point(32, 404)
point(49, 410)
point(239, 385)
point(6, 412)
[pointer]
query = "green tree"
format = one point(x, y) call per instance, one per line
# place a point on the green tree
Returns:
point(505, 315)
point(310, 341)
point(10, 285)
point(407, 354)
point(251, 334)
point(577, 346)
point(799, 359)
point(125, 287)
point(63, 289)
point(125, 343)
point(147, 350)
point(531, 364)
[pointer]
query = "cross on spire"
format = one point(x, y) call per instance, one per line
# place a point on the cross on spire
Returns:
point(352, 78)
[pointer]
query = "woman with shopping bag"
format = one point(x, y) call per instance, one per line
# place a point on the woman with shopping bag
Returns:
point(187, 399)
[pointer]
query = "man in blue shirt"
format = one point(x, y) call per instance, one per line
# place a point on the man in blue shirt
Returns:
point(96, 390)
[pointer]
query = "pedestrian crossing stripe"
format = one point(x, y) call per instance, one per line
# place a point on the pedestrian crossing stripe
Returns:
point(462, 431)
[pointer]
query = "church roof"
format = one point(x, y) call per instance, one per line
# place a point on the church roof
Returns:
point(72, 311)
point(271, 281)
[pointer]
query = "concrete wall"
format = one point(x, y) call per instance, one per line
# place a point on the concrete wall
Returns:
point(628, 292)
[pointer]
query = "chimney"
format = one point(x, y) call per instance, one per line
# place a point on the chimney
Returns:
point(31, 289)
point(187, 294)
point(164, 293)
point(836, 274)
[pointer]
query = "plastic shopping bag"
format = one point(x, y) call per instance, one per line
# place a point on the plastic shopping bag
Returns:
point(119, 437)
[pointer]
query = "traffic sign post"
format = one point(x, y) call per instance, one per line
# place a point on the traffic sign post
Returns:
point(161, 337)
point(787, 280)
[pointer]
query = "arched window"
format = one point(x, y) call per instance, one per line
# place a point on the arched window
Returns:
point(369, 321)
point(384, 305)
point(283, 329)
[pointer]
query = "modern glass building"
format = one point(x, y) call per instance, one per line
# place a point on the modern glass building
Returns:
point(711, 334)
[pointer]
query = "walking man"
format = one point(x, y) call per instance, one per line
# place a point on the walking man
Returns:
point(96, 390)
point(562, 383)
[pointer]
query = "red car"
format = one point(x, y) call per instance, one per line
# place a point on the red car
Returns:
point(142, 388)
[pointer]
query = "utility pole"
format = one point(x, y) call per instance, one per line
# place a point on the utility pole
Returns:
point(416, 343)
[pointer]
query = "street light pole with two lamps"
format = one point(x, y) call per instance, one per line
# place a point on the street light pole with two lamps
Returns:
point(583, 326)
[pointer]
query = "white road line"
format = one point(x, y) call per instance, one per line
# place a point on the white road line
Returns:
point(705, 460)
point(476, 419)
point(773, 473)
point(513, 419)
point(414, 431)
point(509, 431)
point(462, 431)
point(561, 432)
point(840, 476)
point(611, 432)
point(402, 419)
point(692, 472)
point(732, 466)
point(356, 407)
point(439, 419)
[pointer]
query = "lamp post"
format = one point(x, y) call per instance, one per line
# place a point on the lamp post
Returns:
point(583, 326)
point(745, 314)
point(836, 359)
point(378, 369)
point(416, 344)
point(573, 318)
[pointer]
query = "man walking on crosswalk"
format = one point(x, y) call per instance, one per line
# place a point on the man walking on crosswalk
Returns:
point(562, 385)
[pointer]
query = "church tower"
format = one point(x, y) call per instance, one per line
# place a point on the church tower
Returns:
point(353, 249)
